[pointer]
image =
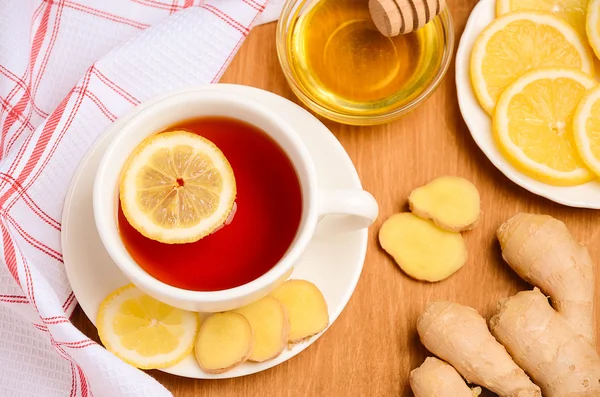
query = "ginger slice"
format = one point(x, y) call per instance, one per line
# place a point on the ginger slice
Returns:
point(451, 202)
point(270, 325)
point(421, 249)
point(541, 250)
point(459, 335)
point(437, 378)
point(306, 308)
point(561, 362)
point(224, 341)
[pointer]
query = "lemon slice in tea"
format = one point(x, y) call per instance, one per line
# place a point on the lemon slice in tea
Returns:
point(177, 187)
point(144, 332)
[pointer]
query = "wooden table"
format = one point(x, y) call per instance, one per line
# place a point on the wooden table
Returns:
point(371, 348)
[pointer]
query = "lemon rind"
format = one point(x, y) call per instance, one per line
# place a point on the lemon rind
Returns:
point(479, 48)
point(513, 153)
point(142, 223)
point(591, 24)
point(110, 342)
point(502, 7)
point(584, 110)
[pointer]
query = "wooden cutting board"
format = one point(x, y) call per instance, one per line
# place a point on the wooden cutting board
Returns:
point(370, 350)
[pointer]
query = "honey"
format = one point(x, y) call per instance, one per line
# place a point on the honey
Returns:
point(347, 66)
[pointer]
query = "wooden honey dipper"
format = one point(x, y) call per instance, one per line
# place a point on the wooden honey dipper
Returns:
point(394, 17)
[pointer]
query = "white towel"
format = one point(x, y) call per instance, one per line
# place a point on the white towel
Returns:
point(68, 69)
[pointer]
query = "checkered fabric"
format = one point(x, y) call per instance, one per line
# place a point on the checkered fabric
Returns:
point(68, 69)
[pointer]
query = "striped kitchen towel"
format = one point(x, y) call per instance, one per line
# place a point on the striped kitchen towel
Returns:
point(68, 69)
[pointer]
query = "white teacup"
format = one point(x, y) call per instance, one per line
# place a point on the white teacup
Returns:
point(357, 206)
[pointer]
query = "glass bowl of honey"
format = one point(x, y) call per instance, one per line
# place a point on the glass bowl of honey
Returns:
point(344, 69)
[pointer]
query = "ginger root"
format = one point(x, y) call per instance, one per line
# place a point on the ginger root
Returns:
point(421, 249)
point(224, 341)
point(561, 362)
point(542, 252)
point(270, 326)
point(451, 202)
point(555, 348)
point(459, 335)
point(436, 378)
point(306, 308)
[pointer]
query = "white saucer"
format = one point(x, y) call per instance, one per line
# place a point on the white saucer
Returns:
point(332, 261)
point(480, 125)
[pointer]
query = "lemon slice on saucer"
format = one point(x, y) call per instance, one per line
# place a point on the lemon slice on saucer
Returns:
point(586, 128)
point(144, 332)
point(518, 42)
point(177, 187)
point(593, 25)
point(572, 11)
point(533, 125)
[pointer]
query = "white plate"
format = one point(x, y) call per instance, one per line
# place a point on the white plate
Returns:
point(332, 261)
point(480, 125)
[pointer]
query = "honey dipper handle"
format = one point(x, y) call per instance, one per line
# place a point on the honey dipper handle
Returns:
point(394, 17)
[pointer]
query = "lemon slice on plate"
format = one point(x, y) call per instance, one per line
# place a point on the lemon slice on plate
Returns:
point(593, 25)
point(572, 11)
point(177, 187)
point(518, 42)
point(533, 125)
point(144, 332)
point(586, 128)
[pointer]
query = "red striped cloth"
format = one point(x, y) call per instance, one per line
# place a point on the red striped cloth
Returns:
point(69, 68)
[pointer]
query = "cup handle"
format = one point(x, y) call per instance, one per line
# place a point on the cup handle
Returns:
point(353, 209)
